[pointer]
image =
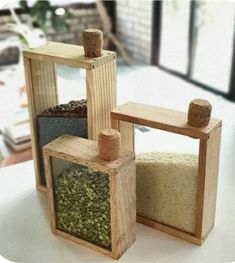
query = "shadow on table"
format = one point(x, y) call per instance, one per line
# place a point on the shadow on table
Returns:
point(25, 236)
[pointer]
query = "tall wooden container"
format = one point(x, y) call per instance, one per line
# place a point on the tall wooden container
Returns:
point(208, 161)
point(92, 202)
point(42, 89)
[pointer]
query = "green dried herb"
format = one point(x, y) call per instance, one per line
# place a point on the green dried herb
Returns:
point(82, 203)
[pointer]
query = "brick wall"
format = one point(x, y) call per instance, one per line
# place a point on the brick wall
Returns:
point(134, 28)
point(81, 19)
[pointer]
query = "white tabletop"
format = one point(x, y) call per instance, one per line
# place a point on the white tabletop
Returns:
point(25, 234)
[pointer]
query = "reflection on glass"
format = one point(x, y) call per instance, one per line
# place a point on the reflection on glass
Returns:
point(82, 202)
point(167, 166)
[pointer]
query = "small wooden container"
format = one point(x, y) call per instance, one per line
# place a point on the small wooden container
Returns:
point(209, 137)
point(91, 201)
point(92, 42)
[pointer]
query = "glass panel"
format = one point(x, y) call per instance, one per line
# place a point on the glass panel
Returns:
point(82, 202)
point(57, 121)
point(174, 36)
point(167, 166)
point(150, 139)
point(69, 116)
point(71, 83)
point(214, 43)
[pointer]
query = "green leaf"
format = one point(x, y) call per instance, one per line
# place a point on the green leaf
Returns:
point(41, 9)
point(39, 12)
point(58, 23)
point(23, 4)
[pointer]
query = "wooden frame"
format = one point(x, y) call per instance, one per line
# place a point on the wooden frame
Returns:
point(124, 117)
point(121, 183)
point(42, 88)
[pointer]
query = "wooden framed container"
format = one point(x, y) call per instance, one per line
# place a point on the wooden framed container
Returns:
point(92, 202)
point(42, 88)
point(208, 161)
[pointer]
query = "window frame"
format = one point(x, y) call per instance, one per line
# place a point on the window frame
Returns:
point(156, 49)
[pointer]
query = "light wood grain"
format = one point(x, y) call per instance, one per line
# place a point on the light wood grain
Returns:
point(121, 174)
point(42, 188)
point(42, 90)
point(76, 149)
point(82, 242)
point(176, 122)
point(101, 97)
point(161, 118)
point(123, 207)
point(127, 135)
point(169, 230)
point(207, 183)
point(67, 54)
point(42, 94)
point(50, 199)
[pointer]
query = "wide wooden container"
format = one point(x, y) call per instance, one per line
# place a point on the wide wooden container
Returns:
point(41, 85)
point(91, 202)
point(126, 116)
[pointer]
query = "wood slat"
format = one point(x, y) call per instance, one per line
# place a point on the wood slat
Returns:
point(101, 97)
point(76, 149)
point(207, 183)
point(67, 54)
point(42, 90)
point(123, 208)
point(83, 242)
point(42, 94)
point(169, 230)
point(128, 114)
point(126, 130)
point(50, 194)
point(163, 119)
point(122, 188)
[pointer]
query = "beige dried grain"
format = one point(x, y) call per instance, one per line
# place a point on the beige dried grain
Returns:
point(167, 187)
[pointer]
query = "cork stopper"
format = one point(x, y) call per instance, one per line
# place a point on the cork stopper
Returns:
point(109, 144)
point(92, 42)
point(199, 113)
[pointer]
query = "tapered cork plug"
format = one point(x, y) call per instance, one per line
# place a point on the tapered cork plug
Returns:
point(109, 144)
point(92, 42)
point(199, 113)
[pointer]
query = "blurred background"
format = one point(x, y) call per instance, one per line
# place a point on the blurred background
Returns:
point(169, 52)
